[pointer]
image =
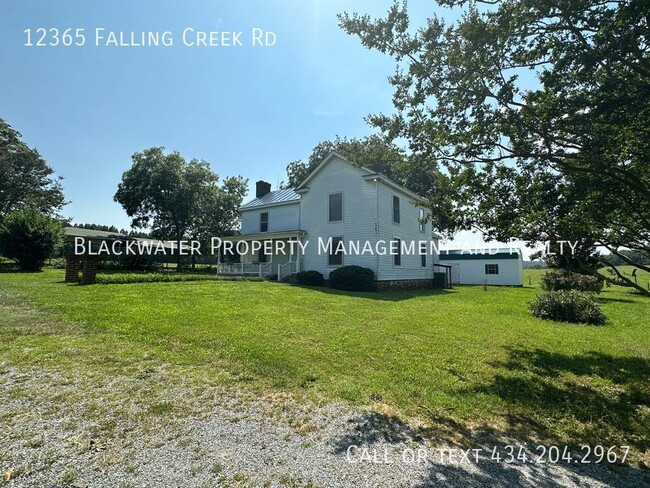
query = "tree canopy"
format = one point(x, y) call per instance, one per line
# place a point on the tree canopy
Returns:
point(178, 199)
point(29, 238)
point(539, 110)
point(26, 180)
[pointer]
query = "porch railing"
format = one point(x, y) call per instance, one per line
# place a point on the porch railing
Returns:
point(238, 268)
point(265, 269)
point(285, 270)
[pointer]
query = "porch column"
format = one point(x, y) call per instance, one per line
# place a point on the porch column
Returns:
point(298, 254)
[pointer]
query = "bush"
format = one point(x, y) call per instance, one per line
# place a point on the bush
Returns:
point(29, 238)
point(352, 278)
point(127, 278)
point(560, 279)
point(310, 278)
point(567, 306)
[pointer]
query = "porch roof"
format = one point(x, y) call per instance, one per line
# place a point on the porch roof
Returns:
point(265, 236)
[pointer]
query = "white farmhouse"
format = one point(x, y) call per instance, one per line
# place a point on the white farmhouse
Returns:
point(366, 219)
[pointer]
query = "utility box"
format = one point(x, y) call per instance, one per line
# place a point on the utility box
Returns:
point(440, 280)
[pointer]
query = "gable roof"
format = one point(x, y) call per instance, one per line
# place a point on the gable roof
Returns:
point(369, 174)
point(276, 197)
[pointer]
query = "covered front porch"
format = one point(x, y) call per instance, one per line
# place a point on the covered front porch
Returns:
point(272, 255)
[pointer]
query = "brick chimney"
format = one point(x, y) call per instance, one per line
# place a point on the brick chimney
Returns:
point(262, 188)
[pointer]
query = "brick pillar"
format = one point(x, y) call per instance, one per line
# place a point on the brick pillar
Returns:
point(72, 263)
point(89, 274)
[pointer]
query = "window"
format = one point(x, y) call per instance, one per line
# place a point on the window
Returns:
point(397, 257)
point(491, 269)
point(264, 222)
point(336, 207)
point(423, 254)
point(396, 209)
point(423, 258)
point(335, 257)
point(422, 224)
point(261, 255)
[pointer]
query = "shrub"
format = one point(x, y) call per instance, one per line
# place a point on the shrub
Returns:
point(126, 278)
point(352, 278)
point(560, 279)
point(29, 238)
point(310, 278)
point(567, 306)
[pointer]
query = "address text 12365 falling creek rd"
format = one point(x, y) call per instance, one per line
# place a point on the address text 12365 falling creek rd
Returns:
point(187, 37)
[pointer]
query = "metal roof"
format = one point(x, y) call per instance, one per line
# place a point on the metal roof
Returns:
point(89, 233)
point(465, 254)
point(273, 198)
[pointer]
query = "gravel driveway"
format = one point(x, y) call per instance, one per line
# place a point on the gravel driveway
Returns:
point(54, 434)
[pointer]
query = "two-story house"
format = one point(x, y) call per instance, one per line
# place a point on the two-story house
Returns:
point(336, 212)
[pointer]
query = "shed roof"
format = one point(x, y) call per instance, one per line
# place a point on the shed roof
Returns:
point(478, 254)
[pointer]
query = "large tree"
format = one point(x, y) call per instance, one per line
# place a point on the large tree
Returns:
point(178, 199)
point(540, 111)
point(26, 180)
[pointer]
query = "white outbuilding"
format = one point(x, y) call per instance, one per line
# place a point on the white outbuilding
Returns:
point(490, 266)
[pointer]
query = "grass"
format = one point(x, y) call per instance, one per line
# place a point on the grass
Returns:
point(462, 359)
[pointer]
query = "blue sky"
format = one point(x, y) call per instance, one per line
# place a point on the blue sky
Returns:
point(246, 110)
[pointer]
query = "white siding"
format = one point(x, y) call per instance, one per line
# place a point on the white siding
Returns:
point(359, 214)
point(472, 272)
point(408, 230)
point(281, 218)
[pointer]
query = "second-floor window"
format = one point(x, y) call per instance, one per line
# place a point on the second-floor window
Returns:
point(422, 220)
point(396, 216)
point(264, 222)
point(336, 207)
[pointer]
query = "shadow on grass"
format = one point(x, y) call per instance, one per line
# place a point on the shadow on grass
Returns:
point(390, 296)
point(549, 399)
point(602, 299)
point(588, 398)
point(12, 268)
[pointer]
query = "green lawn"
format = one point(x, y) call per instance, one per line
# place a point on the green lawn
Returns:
point(461, 358)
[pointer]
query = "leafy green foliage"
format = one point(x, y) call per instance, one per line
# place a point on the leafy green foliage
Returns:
point(29, 238)
point(567, 306)
point(352, 278)
point(627, 257)
point(125, 278)
point(310, 278)
point(179, 199)
point(560, 279)
point(26, 180)
point(539, 111)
